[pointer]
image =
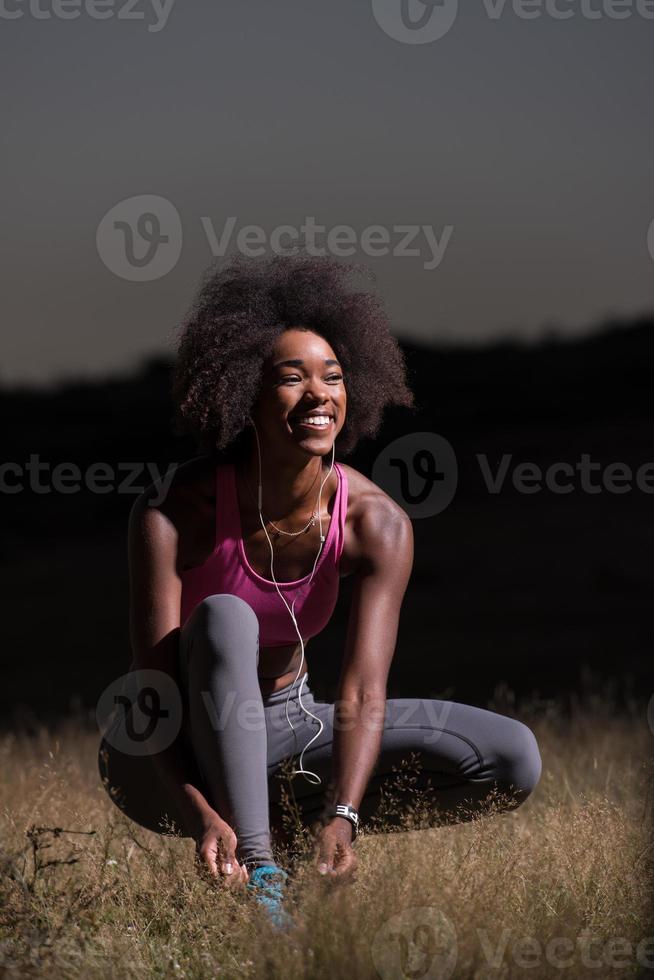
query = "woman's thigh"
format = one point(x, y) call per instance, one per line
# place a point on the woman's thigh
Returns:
point(458, 751)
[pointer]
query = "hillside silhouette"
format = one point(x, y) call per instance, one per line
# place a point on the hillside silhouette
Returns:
point(538, 592)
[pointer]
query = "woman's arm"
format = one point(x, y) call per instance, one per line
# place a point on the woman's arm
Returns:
point(385, 535)
point(154, 623)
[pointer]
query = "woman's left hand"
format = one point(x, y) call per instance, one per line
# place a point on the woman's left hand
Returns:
point(334, 855)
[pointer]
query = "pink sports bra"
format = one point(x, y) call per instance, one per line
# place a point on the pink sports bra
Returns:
point(227, 570)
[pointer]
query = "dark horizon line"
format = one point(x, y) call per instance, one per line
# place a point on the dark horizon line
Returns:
point(550, 337)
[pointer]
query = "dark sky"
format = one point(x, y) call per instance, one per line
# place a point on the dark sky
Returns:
point(524, 145)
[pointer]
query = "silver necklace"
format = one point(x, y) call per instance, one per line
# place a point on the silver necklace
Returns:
point(291, 534)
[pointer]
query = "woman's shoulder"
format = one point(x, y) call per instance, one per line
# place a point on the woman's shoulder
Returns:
point(367, 499)
point(184, 498)
point(372, 517)
point(182, 485)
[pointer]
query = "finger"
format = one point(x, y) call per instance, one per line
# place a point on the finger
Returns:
point(241, 875)
point(237, 878)
point(230, 867)
point(200, 866)
point(228, 864)
point(206, 858)
point(325, 858)
point(323, 846)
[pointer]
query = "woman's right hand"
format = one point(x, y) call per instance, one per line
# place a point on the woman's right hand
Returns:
point(215, 849)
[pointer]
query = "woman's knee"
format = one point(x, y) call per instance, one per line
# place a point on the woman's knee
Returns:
point(520, 763)
point(223, 624)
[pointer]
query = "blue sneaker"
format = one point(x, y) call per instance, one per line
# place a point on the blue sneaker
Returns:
point(266, 884)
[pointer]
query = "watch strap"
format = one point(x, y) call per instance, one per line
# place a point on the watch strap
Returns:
point(344, 810)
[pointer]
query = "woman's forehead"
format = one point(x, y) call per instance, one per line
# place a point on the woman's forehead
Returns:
point(300, 345)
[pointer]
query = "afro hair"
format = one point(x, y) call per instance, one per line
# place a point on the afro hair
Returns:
point(230, 331)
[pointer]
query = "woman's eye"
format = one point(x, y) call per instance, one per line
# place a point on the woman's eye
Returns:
point(294, 377)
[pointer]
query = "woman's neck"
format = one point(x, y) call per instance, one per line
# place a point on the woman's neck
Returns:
point(286, 489)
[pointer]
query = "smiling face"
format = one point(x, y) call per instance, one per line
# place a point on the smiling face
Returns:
point(302, 375)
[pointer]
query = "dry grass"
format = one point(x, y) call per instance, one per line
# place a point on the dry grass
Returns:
point(505, 895)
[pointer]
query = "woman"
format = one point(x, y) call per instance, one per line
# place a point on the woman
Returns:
point(279, 366)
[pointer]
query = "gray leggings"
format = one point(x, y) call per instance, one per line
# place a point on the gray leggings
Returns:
point(238, 742)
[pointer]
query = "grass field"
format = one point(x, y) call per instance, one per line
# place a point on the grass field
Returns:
point(560, 887)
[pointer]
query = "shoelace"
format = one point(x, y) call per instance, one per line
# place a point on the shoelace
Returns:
point(267, 885)
point(268, 879)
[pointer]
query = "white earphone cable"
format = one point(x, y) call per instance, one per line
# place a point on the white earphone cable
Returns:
point(301, 771)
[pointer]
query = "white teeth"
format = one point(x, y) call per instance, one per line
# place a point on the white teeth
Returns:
point(315, 419)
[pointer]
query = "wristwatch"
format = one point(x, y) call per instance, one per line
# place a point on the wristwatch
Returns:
point(343, 810)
